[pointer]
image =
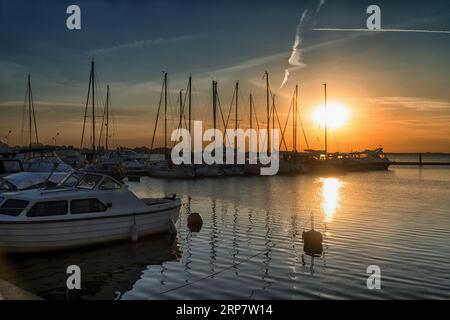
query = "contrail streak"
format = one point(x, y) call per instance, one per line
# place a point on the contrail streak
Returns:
point(382, 30)
point(307, 20)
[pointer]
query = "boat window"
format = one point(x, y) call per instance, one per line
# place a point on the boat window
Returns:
point(71, 180)
point(89, 181)
point(109, 184)
point(48, 208)
point(13, 207)
point(86, 206)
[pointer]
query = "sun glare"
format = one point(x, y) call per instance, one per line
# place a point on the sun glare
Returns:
point(335, 116)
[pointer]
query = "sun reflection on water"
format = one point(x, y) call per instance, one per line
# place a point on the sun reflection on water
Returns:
point(330, 197)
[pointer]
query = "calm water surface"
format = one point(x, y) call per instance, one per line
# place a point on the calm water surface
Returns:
point(250, 245)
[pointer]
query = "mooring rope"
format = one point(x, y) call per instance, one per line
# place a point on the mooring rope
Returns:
point(212, 274)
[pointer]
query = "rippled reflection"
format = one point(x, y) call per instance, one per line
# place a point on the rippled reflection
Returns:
point(330, 197)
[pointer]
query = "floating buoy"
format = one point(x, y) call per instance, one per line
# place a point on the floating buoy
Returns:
point(194, 222)
point(312, 240)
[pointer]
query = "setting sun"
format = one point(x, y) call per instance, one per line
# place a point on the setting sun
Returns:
point(336, 115)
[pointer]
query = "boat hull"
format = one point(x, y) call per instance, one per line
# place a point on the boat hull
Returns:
point(62, 234)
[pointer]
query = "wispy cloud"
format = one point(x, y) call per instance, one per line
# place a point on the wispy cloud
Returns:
point(41, 103)
point(138, 44)
point(412, 103)
point(383, 30)
point(295, 59)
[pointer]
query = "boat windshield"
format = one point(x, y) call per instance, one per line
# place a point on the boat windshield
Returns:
point(89, 181)
point(81, 180)
point(71, 180)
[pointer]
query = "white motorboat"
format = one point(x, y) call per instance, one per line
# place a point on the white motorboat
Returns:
point(30, 180)
point(368, 160)
point(43, 159)
point(133, 162)
point(85, 209)
point(73, 158)
point(162, 169)
point(204, 170)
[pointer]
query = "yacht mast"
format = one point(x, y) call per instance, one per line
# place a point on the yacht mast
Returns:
point(93, 105)
point(214, 103)
point(31, 116)
point(266, 74)
point(107, 118)
point(325, 120)
point(165, 113)
point(295, 118)
point(190, 102)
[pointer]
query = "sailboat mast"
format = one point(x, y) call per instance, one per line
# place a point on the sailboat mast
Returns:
point(273, 113)
point(268, 111)
point(214, 103)
point(93, 105)
point(107, 117)
point(251, 111)
point(251, 124)
point(190, 102)
point(236, 109)
point(295, 118)
point(181, 110)
point(325, 116)
point(29, 111)
point(165, 113)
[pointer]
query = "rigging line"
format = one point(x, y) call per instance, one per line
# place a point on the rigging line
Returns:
point(23, 116)
point(287, 120)
point(279, 125)
point(101, 127)
point(231, 107)
point(303, 129)
point(113, 122)
point(234, 265)
point(157, 115)
point(184, 105)
point(223, 119)
point(268, 133)
point(86, 110)
point(256, 118)
point(34, 116)
point(180, 121)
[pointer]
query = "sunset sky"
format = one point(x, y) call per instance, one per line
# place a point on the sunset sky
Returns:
point(394, 85)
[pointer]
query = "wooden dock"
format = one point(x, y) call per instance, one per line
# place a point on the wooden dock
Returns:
point(9, 291)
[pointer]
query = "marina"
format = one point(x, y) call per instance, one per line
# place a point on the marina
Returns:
point(243, 152)
point(253, 247)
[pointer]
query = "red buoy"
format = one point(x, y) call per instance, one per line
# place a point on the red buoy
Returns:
point(194, 222)
point(312, 242)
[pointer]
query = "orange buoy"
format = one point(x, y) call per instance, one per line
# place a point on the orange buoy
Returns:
point(194, 222)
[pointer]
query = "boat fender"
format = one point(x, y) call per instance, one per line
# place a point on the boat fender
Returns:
point(312, 242)
point(134, 232)
point(194, 222)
